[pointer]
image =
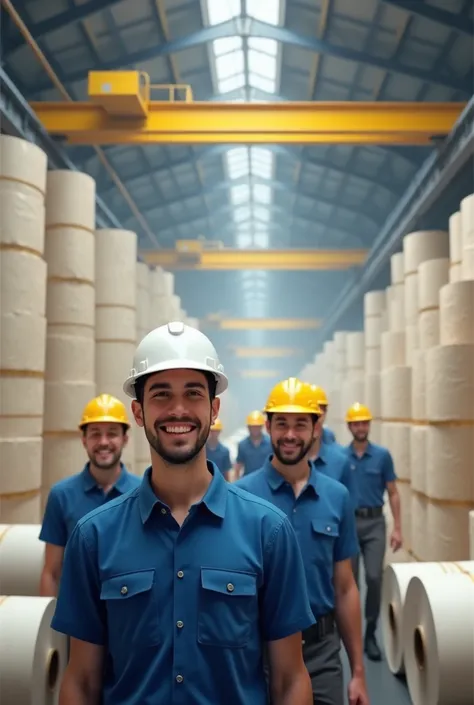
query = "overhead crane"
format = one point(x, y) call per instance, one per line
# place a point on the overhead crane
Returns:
point(120, 110)
point(280, 324)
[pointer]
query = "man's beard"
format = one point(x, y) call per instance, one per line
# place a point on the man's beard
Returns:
point(177, 456)
point(105, 464)
point(303, 451)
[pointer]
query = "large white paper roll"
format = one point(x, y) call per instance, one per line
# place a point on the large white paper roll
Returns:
point(438, 629)
point(471, 535)
point(21, 559)
point(33, 657)
point(396, 579)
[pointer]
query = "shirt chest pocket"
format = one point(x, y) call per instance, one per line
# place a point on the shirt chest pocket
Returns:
point(228, 608)
point(325, 534)
point(132, 609)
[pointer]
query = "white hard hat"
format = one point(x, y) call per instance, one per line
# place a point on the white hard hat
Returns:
point(175, 346)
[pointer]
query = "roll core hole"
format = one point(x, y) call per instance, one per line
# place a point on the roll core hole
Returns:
point(420, 648)
point(52, 669)
point(392, 617)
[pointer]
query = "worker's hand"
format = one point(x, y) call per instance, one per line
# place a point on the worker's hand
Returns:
point(357, 691)
point(396, 540)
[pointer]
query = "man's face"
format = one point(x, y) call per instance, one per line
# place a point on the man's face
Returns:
point(255, 432)
point(104, 444)
point(214, 437)
point(360, 430)
point(291, 436)
point(177, 414)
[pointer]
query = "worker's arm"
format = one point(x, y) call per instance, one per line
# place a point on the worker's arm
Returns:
point(51, 573)
point(349, 622)
point(82, 682)
point(286, 612)
point(289, 678)
point(54, 534)
point(394, 499)
point(80, 613)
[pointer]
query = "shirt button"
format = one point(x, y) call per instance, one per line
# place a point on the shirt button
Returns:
point(179, 624)
point(124, 590)
point(179, 678)
point(230, 587)
point(163, 510)
point(180, 574)
point(328, 528)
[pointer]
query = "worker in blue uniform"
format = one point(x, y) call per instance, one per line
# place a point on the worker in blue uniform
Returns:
point(216, 451)
point(374, 473)
point(323, 517)
point(253, 450)
point(327, 436)
point(171, 592)
point(330, 458)
point(104, 427)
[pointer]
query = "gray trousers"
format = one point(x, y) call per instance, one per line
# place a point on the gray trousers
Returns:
point(323, 662)
point(372, 540)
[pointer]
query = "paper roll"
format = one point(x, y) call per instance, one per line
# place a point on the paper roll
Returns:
point(471, 535)
point(396, 579)
point(33, 657)
point(456, 313)
point(438, 628)
point(450, 383)
point(21, 559)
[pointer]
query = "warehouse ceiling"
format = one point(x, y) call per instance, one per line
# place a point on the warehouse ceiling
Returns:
point(262, 196)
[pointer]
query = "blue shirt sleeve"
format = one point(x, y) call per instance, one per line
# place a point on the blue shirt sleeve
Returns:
point(347, 543)
point(388, 468)
point(79, 610)
point(240, 455)
point(54, 528)
point(226, 464)
point(285, 605)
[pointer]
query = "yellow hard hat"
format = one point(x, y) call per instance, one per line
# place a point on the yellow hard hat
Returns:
point(255, 418)
point(358, 412)
point(320, 394)
point(217, 425)
point(103, 409)
point(292, 397)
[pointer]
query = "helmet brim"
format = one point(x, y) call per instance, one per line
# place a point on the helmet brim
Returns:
point(104, 419)
point(292, 409)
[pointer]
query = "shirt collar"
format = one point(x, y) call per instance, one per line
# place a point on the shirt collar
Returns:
point(276, 481)
point(368, 451)
point(215, 498)
point(322, 455)
point(89, 482)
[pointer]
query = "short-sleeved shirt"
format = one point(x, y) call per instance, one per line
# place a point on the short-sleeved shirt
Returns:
point(328, 436)
point(220, 456)
point(184, 611)
point(74, 497)
point(371, 473)
point(252, 456)
point(324, 522)
point(334, 462)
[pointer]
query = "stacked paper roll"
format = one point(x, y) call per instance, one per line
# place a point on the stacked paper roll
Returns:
point(33, 657)
point(372, 397)
point(143, 301)
point(70, 363)
point(116, 291)
point(340, 396)
point(455, 247)
point(23, 328)
point(467, 225)
point(456, 304)
point(432, 276)
point(471, 535)
point(21, 559)
point(450, 444)
point(193, 322)
point(396, 293)
point(355, 356)
point(375, 322)
point(163, 305)
point(395, 584)
point(438, 628)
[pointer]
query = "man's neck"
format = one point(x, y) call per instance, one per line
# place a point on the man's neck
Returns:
point(315, 449)
point(212, 445)
point(105, 478)
point(180, 486)
point(256, 441)
point(360, 446)
point(296, 475)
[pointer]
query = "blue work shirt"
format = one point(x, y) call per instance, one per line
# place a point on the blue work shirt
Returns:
point(334, 463)
point(252, 456)
point(324, 521)
point(74, 497)
point(328, 436)
point(371, 473)
point(220, 456)
point(183, 611)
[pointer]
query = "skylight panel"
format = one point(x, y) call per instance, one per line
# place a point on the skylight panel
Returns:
point(263, 84)
point(223, 10)
point(262, 193)
point(227, 45)
point(240, 194)
point(244, 240)
point(232, 83)
point(266, 46)
point(262, 239)
point(264, 10)
point(262, 162)
point(262, 64)
point(230, 65)
point(241, 214)
point(262, 214)
point(238, 162)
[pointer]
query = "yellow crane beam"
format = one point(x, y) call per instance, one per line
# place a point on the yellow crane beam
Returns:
point(247, 352)
point(120, 111)
point(230, 259)
point(279, 324)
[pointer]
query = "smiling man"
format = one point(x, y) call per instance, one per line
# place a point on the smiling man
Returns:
point(171, 594)
point(104, 427)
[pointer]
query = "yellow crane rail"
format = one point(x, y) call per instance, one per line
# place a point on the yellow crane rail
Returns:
point(263, 323)
point(230, 259)
point(120, 111)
